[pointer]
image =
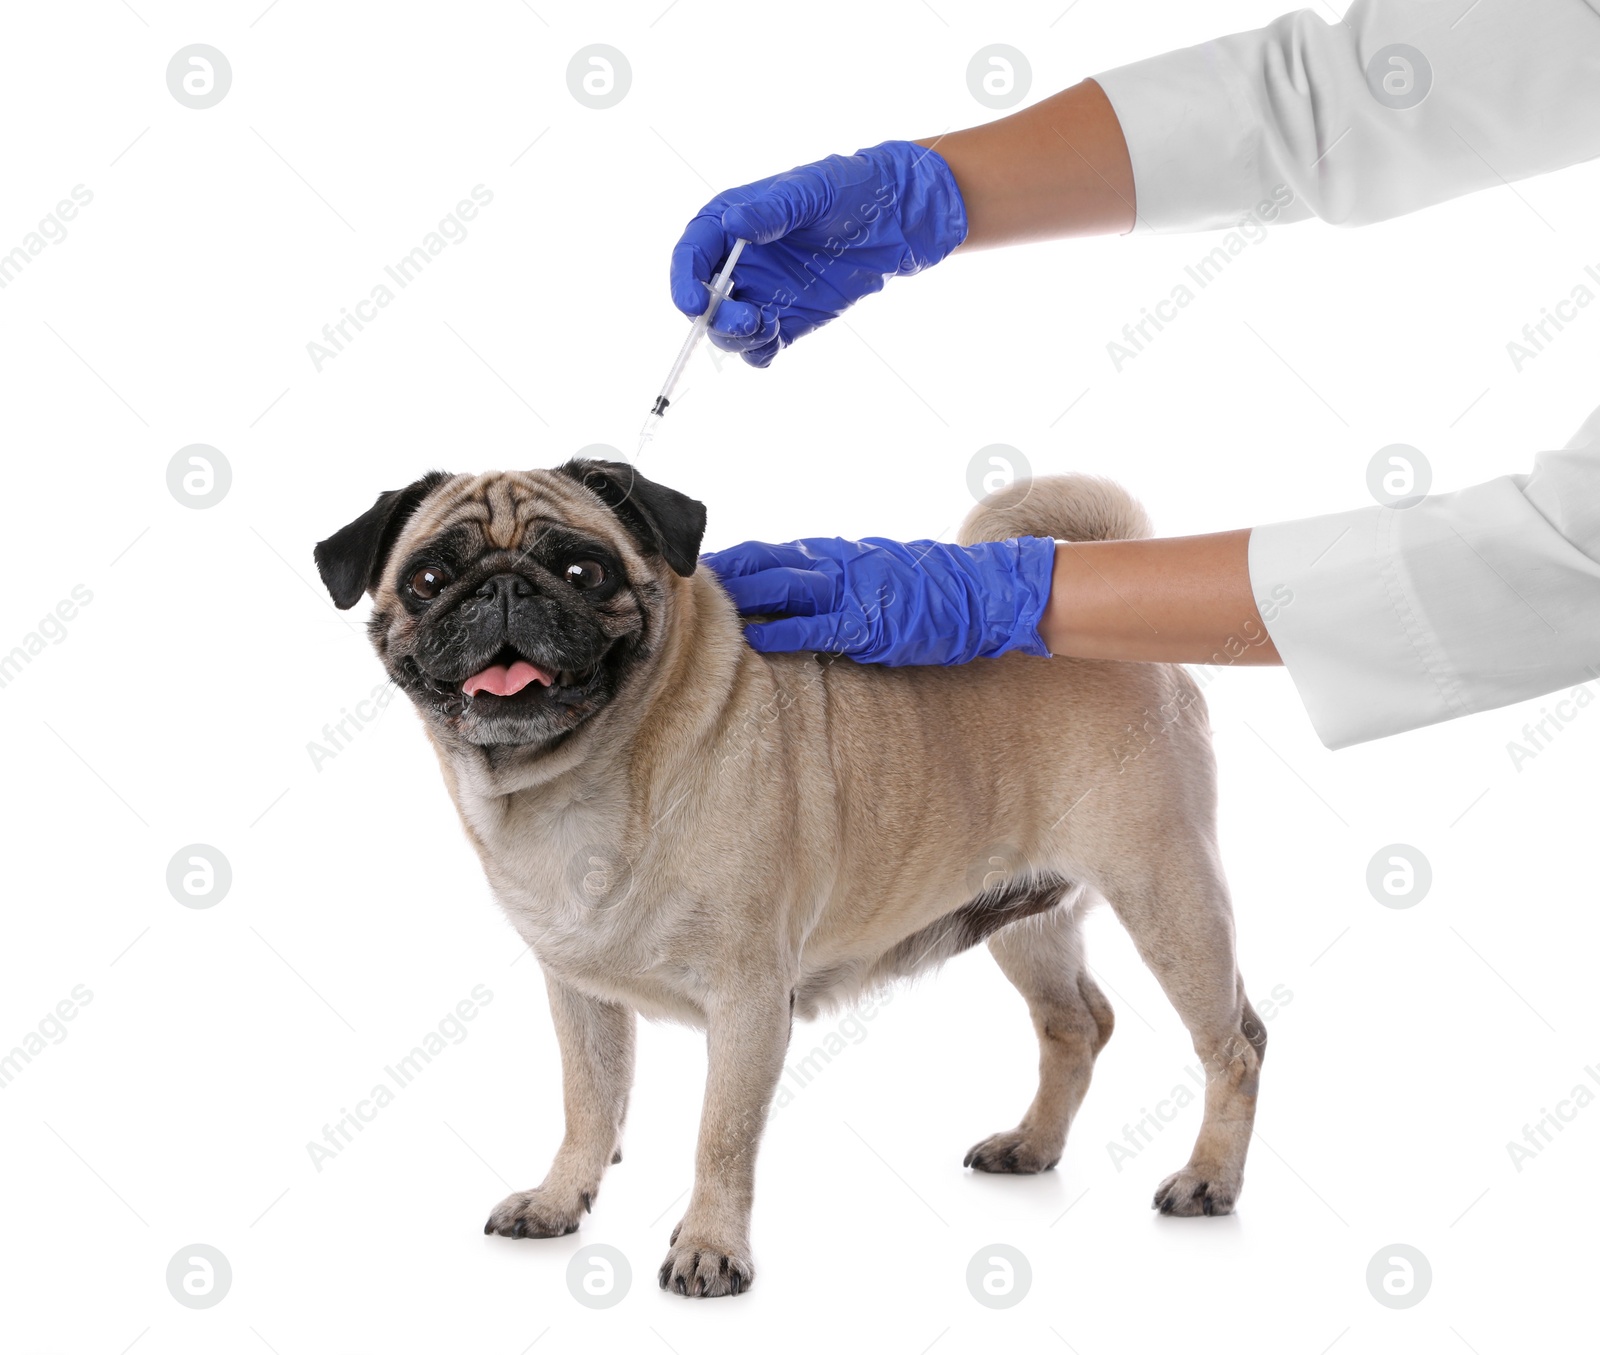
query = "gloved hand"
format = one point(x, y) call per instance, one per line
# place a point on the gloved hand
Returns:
point(891, 602)
point(822, 236)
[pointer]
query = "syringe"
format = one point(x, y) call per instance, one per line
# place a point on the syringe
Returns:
point(721, 285)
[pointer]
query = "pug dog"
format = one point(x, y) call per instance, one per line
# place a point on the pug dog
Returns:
point(682, 828)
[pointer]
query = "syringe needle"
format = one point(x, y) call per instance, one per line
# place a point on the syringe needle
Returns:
point(720, 286)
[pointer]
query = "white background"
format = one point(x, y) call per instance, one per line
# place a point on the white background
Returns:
point(179, 705)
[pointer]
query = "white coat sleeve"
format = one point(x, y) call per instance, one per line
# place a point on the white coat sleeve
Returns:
point(1400, 105)
point(1392, 618)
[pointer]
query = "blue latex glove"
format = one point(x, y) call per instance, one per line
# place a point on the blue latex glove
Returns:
point(822, 236)
point(891, 602)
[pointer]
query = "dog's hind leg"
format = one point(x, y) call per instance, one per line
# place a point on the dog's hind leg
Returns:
point(1043, 957)
point(1175, 906)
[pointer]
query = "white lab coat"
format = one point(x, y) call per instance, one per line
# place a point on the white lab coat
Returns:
point(1400, 617)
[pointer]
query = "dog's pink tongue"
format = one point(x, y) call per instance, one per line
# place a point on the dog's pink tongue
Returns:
point(505, 679)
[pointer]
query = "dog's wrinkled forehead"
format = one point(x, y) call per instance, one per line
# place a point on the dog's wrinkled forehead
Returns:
point(639, 522)
point(505, 510)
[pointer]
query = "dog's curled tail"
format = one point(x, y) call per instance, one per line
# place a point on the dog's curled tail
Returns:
point(1067, 507)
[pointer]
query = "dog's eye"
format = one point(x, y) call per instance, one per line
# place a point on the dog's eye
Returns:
point(428, 582)
point(585, 574)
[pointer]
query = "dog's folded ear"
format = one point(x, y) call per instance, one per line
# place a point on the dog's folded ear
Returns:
point(351, 560)
point(663, 521)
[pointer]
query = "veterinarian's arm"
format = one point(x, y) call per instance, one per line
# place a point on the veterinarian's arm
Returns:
point(1387, 618)
point(1055, 169)
point(1182, 599)
point(1399, 105)
point(1396, 107)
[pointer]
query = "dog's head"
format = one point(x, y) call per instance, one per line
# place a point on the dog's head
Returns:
point(514, 606)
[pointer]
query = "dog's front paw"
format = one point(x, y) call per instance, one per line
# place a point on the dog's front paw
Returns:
point(701, 1268)
point(533, 1213)
point(1189, 1193)
point(1014, 1151)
